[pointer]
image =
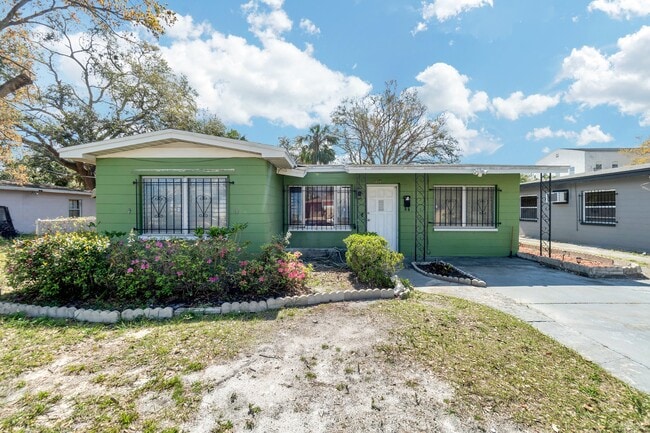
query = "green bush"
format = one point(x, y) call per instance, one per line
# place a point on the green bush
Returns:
point(60, 266)
point(370, 258)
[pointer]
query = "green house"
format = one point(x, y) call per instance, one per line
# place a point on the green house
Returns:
point(168, 183)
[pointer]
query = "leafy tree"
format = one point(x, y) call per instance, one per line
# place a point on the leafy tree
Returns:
point(641, 153)
point(392, 128)
point(121, 90)
point(20, 18)
point(316, 147)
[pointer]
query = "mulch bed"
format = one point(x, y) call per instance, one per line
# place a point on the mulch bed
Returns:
point(570, 256)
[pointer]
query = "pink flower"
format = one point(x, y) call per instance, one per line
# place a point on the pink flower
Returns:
point(159, 244)
point(128, 271)
point(261, 279)
point(136, 261)
point(157, 258)
point(244, 263)
point(144, 266)
point(179, 273)
point(147, 247)
point(213, 279)
point(208, 261)
point(243, 272)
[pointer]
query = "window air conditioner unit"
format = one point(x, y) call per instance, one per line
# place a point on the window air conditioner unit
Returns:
point(558, 197)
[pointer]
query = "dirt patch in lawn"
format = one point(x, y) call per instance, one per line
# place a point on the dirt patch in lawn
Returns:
point(570, 256)
point(330, 276)
point(322, 373)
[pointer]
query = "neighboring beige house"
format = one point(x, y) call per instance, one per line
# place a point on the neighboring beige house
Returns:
point(588, 160)
point(28, 203)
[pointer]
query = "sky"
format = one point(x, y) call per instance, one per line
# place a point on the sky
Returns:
point(514, 78)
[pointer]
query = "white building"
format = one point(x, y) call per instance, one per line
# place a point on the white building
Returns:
point(588, 160)
point(28, 203)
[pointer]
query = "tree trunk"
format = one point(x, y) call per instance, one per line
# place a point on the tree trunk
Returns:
point(14, 84)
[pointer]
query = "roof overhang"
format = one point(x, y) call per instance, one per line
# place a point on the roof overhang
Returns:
point(44, 189)
point(90, 152)
point(475, 169)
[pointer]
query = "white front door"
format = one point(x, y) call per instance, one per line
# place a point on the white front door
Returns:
point(382, 212)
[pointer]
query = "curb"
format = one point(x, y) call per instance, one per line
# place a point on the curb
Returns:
point(630, 270)
point(470, 281)
point(113, 316)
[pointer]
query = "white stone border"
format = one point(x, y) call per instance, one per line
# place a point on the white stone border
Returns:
point(104, 316)
point(471, 281)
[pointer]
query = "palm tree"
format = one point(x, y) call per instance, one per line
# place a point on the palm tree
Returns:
point(318, 148)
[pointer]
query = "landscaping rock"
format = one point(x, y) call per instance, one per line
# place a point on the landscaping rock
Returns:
point(336, 296)
point(235, 307)
point(226, 308)
point(165, 313)
point(245, 307)
point(212, 310)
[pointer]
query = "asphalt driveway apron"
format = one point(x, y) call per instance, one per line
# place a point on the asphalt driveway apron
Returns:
point(605, 320)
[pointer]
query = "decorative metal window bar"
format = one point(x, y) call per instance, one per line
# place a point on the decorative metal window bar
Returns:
point(545, 214)
point(465, 206)
point(528, 208)
point(319, 207)
point(180, 205)
point(420, 216)
point(599, 207)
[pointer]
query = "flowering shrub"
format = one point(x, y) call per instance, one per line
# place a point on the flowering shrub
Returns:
point(276, 272)
point(86, 266)
point(60, 266)
point(370, 258)
point(167, 270)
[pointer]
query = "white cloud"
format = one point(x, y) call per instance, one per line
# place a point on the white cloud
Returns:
point(239, 81)
point(309, 27)
point(517, 105)
point(590, 134)
point(621, 80)
point(267, 24)
point(420, 27)
point(443, 10)
point(621, 8)
point(444, 89)
point(569, 118)
point(546, 149)
point(471, 141)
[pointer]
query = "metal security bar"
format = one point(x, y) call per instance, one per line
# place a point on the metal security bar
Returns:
point(319, 207)
point(180, 205)
point(465, 206)
point(545, 215)
point(599, 207)
point(360, 189)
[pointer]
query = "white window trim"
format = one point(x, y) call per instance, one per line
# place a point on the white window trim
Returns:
point(529, 207)
point(464, 227)
point(584, 208)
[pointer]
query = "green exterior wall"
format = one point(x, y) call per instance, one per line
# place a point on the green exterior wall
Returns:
point(258, 197)
point(255, 197)
point(501, 242)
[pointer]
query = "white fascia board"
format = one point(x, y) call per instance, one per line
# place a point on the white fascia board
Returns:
point(292, 172)
point(457, 169)
point(44, 190)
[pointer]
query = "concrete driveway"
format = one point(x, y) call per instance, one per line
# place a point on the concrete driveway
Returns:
point(607, 321)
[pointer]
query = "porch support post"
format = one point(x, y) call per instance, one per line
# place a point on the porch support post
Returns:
point(545, 215)
point(360, 191)
point(420, 217)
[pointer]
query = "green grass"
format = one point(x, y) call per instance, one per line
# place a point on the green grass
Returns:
point(500, 364)
point(126, 362)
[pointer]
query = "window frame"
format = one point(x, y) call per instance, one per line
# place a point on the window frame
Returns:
point(187, 226)
point(464, 225)
point(598, 220)
point(521, 208)
point(297, 195)
point(76, 209)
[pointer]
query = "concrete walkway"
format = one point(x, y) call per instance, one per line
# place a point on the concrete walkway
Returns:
point(606, 321)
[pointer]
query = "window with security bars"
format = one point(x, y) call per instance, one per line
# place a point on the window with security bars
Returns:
point(465, 206)
point(180, 205)
point(599, 207)
point(319, 207)
point(528, 208)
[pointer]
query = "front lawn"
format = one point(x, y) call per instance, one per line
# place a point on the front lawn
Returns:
point(414, 364)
